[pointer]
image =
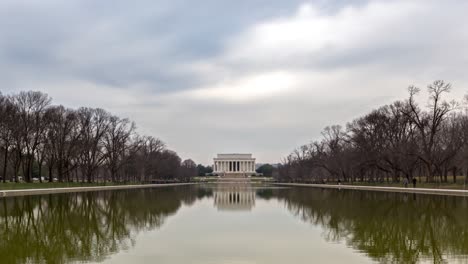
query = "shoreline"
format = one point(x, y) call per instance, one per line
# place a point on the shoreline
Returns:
point(452, 192)
point(41, 191)
point(24, 192)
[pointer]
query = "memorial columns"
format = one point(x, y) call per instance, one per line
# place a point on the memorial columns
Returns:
point(233, 165)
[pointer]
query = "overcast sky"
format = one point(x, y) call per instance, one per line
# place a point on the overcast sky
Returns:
point(254, 76)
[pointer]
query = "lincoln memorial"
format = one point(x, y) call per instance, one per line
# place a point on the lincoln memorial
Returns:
point(234, 164)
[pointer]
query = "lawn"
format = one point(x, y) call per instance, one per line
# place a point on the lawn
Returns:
point(38, 185)
point(460, 185)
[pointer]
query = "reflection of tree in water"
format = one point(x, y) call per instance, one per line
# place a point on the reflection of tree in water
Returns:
point(82, 226)
point(265, 194)
point(388, 227)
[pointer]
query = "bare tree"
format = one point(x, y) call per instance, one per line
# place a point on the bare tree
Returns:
point(8, 114)
point(429, 123)
point(63, 135)
point(79, 145)
point(93, 126)
point(31, 108)
point(117, 144)
point(397, 140)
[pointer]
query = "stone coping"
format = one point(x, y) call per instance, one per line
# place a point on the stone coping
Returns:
point(22, 192)
point(453, 192)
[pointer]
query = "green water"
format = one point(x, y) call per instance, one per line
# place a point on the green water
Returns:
point(234, 223)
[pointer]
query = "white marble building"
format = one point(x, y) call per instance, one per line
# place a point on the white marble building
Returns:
point(232, 164)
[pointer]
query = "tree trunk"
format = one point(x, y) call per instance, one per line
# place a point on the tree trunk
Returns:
point(420, 173)
point(68, 173)
point(74, 175)
point(5, 164)
point(454, 172)
point(430, 174)
point(445, 174)
point(89, 177)
point(466, 176)
point(16, 171)
point(60, 171)
point(28, 169)
point(40, 172)
point(50, 173)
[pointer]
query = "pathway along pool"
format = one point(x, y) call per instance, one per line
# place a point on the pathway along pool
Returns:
point(233, 223)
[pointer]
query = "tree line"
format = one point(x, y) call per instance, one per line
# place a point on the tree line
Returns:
point(405, 139)
point(80, 145)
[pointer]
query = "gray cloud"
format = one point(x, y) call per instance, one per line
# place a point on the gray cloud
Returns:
point(220, 76)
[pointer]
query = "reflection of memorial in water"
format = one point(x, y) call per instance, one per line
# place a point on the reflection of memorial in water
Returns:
point(234, 197)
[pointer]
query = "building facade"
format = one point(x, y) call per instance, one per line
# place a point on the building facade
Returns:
point(240, 164)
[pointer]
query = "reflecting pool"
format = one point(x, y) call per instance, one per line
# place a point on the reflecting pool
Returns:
point(234, 223)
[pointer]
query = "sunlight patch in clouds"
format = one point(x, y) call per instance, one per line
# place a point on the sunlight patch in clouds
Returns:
point(249, 88)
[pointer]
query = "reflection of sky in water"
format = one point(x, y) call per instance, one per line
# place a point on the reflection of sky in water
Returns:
point(278, 225)
point(267, 234)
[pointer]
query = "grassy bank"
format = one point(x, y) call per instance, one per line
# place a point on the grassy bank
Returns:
point(422, 182)
point(45, 185)
point(433, 185)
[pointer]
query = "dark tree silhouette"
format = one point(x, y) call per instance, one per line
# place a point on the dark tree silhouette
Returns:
point(398, 140)
point(84, 145)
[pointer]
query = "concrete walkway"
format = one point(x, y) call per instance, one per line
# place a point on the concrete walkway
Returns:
point(382, 189)
point(9, 193)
